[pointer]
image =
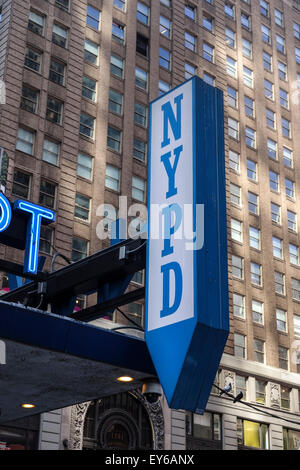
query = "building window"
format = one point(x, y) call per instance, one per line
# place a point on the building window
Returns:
point(114, 137)
point(142, 13)
point(252, 434)
point(237, 267)
point(277, 247)
point(235, 194)
point(249, 106)
point(190, 41)
point(295, 289)
point(246, 21)
point(251, 170)
point(204, 430)
point(190, 70)
point(254, 237)
point(274, 181)
point(89, 88)
point(231, 66)
point(275, 213)
point(139, 150)
point(258, 312)
point(141, 79)
point(264, 8)
point(292, 220)
point(112, 178)
point(239, 345)
point(54, 110)
point(232, 97)
point(230, 37)
point(279, 283)
point(286, 127)
point(209, 79)
point(282, 71)
point(272, 149)
point(233, 128)
point(283, 358)
point(287, 157)
point(87, 125)
point(236, 230)
point(241, 385)
point(142, 45)
point(46, 240)
point(190, 12)
point(266, 34)
point(25, 141)
point(247, 48)
point(167, 3)
point(208, 52)
point(281, 322)
point(84, 166)
point(280, 44)
point(115, 103)
point(93, 17)
point(138, 189)
point(269, 89)
point(297, 325)
point(238, 305)
point(118, 32)
point(267, 61)
point(121, 4)
point(289, 188)
point(63, 4)
point(229, 10)
point(50, 152)
point(116, 66)
point(57, 72)
point(248, 77)
point(250, 135)
point(253, 203)
point(165, 27)
point(256, 274)
point(60, 36)
point(260, 392)
point(278, 17)
point(259, 350)
point(163, 87)
point(291, 439)
point(36, 23)
point(297, 55)
point(208, 23)
point(234, 161)
point(91, 52)
point(296, 29)
point(140, 114)
point(270, 119)
point(164, 58)
point(21, 184)
point(47, 194)
point(33, 59)
point(135, 311)
point(29, 99)
point(79, 249)
point(82, 207)
point(294, 254)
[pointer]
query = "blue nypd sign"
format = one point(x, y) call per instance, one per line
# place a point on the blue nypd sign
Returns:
point(187, 319)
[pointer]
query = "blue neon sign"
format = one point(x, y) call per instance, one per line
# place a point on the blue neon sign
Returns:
point(35, 214)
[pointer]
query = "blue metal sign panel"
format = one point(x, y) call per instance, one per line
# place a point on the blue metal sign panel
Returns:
point(187, 319)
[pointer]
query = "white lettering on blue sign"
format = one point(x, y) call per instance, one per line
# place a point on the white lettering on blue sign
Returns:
point(171, 280)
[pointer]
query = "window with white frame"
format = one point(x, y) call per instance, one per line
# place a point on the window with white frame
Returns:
point(275, 213)
point(292, 220)
point(277, 247)
point(237, 267)
point(259, 350)
point(236, 230)
point(294, 254)
point(238, 305)
point(87, 125)
point(295, 289)
point(231, 66)
point(116, 66)
point(256, 273)
point(138, 188)
point(287, 157)
point(112, 177)
point(272, 148)
point(233, 128)
point(279, 281)
point(85, 166)
point(257, 311)
point(142, 13)
point(91, 52)
point(281, 322)
point(25, 141)
point(50, 151)
point(252, 203)
point(239, 345)
point(254, 237)
point(234, 160)
point(283, 358)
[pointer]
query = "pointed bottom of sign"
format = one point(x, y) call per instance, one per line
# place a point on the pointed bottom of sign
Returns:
point(187, 384)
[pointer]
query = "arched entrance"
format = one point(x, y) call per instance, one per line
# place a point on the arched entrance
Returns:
point(123, 421)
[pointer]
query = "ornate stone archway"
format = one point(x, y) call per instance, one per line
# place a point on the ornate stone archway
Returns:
point(154, 411)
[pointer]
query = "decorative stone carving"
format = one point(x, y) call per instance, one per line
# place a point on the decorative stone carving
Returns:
point(156, 416)
point(154, 411)
point(228, 377)
point(77, 422)
point(274, 395)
